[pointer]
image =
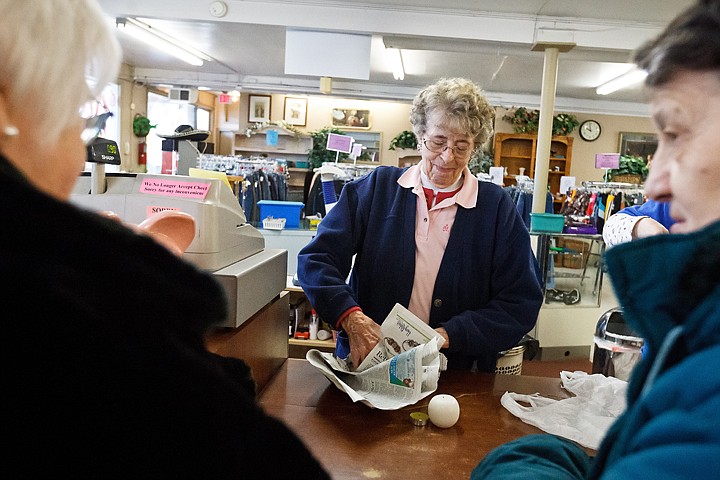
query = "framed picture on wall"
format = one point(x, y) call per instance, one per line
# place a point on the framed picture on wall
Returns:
point(259, 108)
point(350, 118)
point(295, 111)
point(637, 144)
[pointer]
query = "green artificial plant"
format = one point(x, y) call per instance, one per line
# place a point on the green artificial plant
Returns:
point(404, 139)
point(564, 123)
point(480, 162)
point(630, 165)
point(524, 120)
point(141, 125)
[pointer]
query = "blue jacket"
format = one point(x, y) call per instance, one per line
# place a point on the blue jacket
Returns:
point(487, 294)
point(658, 211)
point(669, 288)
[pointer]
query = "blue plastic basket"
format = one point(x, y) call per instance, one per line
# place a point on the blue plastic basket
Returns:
point(290, 211)
point(547, 222)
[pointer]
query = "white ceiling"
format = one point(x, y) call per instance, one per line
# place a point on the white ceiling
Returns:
point(487, 41)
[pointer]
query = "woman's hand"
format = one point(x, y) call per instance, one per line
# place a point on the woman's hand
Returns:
point(444, 334)
point(172, 229)
point(363, 334)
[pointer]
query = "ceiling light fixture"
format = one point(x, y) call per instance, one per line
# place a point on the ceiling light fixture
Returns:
point(161, 41)
point(395, 56)
point(627, 79)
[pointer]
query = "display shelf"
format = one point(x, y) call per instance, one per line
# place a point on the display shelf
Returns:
point(290, 146)
point(298, 348)
point(571, 268)
point(517, 150)
point(372, 141)
point(311, 343)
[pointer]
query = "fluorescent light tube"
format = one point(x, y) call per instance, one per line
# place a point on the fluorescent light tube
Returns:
point(625, 80)
point(396, 61)
point(161, 41)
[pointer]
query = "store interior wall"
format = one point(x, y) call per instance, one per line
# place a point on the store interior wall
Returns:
point(563, 331)
point(389, 118)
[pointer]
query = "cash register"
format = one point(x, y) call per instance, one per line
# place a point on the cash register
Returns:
point(224, 243)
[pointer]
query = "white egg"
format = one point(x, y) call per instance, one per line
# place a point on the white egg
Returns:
point(444, 411)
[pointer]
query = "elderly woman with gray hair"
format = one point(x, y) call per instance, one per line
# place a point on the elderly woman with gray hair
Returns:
point(668, 286)
point(431, 237)
point(106, 374)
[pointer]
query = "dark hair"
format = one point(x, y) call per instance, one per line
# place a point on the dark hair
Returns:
point(690, 42)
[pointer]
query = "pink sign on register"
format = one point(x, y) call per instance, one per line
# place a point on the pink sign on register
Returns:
point(175, 188)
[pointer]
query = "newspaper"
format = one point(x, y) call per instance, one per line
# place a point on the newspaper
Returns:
point(403, 368)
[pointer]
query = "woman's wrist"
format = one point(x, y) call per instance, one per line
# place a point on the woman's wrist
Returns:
point(340, 324)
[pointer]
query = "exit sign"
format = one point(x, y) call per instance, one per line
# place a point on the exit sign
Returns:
point(224, 98)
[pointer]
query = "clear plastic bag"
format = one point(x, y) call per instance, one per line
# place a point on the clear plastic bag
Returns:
point(584, 418)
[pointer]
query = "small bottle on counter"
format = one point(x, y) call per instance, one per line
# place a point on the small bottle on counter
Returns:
point(314, 324)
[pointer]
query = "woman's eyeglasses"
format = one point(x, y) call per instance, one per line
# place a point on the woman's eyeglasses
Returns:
point(93, 127)
point(461, 151)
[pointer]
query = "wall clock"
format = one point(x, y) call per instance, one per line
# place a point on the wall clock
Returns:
point(590, 130)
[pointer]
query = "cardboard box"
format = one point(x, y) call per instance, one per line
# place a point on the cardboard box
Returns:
point(579, 255)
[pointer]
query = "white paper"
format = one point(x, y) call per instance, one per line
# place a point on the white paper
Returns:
point(566, 183)
point(496, 175)
point(401, 331)
point(401, 370)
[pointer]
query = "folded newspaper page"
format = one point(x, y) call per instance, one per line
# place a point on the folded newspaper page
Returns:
point(403, 368)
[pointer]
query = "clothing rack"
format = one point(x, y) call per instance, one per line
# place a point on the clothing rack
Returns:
point(594, 202)
point(352, 171)
point(597, 186)
point(526, 185)
point(241, 166)
point(260, 178)
point(315, 202)
point(522, 196)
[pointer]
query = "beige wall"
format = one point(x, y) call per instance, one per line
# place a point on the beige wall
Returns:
point(583, 161)
point(583, 153)
point(389, 118)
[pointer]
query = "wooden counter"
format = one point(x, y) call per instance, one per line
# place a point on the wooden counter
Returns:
point(262, 341)
point(354, 441)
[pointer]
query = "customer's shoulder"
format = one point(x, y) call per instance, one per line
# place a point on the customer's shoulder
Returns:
point(491, 190)
point(387, 172)
point(381, 175)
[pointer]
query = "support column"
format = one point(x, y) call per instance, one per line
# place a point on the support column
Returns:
point(547, 107)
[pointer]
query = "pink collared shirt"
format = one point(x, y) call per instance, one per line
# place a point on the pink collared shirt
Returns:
point(432, 232)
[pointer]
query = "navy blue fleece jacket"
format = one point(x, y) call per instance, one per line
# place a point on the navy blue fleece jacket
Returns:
point(486, 295)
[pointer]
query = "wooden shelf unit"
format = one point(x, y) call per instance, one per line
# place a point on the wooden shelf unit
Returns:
point(290, 147)
point(518, 150)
